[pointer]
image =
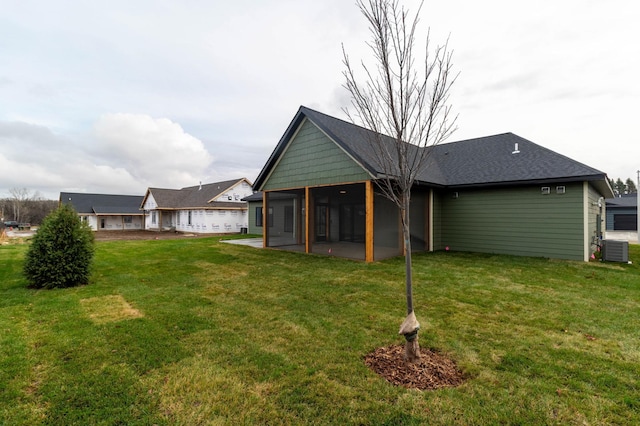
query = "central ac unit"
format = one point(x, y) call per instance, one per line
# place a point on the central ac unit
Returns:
point(615, 251)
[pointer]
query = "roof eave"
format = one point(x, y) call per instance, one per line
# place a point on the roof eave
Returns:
point(286, 138)
point(599, 181)
point(236, 183)
point(357, 158)
point(277, 151)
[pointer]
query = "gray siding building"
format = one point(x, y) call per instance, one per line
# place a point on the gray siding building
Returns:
point(622, 213)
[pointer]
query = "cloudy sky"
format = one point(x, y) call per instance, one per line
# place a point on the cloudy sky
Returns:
point(116, 96)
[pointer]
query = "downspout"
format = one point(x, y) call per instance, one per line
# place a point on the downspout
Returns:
point(585, 220)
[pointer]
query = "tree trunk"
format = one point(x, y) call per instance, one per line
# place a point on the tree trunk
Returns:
point(411, 348)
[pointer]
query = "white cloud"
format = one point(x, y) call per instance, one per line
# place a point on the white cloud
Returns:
point(34, 157)
point(126, 154)
point(562, 74)
point(15, 174)
point(157, 152)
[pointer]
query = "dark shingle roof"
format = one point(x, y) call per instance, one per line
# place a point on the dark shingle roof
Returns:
point(474, 162)
point(165, 197)
point(494, 159)
point(256, 196)
point(199, 196)
point(623, 201)
point(103, 204)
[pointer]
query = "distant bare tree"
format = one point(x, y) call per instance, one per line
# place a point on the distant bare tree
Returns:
point(19, 196)
point(407, 101)
point(38, 208)
point(23, 206)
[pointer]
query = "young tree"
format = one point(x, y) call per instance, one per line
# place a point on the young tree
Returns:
point(19, 197)
point(61, 252)
point(408, 102)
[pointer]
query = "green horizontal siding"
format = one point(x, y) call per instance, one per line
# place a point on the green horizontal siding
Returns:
point(519, 221)
point(253, 229)
point(437, 221)
point(313, 159)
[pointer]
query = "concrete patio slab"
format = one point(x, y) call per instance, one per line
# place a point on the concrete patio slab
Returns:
point(251, 242)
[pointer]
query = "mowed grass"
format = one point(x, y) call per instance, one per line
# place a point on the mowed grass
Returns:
point(196, 332)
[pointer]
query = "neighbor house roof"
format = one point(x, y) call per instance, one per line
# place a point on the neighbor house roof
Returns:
point(623, 201)
point(103, 204)
point(487, 161)
point(194, 197)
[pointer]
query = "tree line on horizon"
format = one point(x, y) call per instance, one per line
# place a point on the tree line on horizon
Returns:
point(620, 188)
point(25, 206)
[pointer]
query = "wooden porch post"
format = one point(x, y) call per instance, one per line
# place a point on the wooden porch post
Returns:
point(368, 249)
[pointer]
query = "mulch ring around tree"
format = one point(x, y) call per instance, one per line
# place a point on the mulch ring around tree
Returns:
point(431, 371)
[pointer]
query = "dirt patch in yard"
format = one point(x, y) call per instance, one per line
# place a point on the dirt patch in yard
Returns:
point(140, 235)
point(431, 371)
point(111, 308)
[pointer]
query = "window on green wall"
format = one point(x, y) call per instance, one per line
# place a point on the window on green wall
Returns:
point(258, 216)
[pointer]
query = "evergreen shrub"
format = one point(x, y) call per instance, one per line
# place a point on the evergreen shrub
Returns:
point(61, 252)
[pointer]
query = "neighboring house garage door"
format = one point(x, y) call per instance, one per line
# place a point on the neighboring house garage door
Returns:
point(625, 222)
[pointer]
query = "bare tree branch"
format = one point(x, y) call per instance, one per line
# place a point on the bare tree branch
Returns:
point(405, 106)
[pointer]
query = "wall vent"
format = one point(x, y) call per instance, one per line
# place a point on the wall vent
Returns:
point(560, 189)
point(455, 195)
point(615, 251)
point(545, 190)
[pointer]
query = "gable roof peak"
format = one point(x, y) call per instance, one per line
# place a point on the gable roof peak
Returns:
point(192, 196)
point(503, 158)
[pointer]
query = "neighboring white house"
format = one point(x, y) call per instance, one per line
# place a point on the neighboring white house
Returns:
point(106, 212)
point(214, 208)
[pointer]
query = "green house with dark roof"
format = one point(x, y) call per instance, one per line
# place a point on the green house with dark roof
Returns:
point(495, 194)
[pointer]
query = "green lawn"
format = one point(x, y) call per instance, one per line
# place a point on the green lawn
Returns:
point(195, 331)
